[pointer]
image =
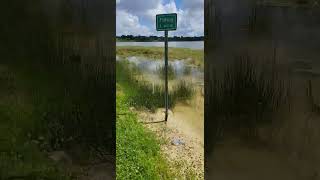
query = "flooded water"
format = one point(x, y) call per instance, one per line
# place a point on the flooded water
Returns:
point(174, 44)
point(181, 68)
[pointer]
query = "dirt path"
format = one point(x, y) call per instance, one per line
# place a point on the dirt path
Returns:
point(185, 126)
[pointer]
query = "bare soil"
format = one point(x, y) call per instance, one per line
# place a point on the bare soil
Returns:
point(185, 123)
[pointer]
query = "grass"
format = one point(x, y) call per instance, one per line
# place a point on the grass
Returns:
point(144, 95)
point(20, 155)
point(138, 150)
point(171, 72)
point(196, 56)
point(38, 114)
point(182, 91)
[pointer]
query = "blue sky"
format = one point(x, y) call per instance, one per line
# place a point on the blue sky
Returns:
point(137, 17)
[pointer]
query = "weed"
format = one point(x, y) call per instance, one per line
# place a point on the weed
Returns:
point(144, 94)
point(138, 150)
point(171, 72)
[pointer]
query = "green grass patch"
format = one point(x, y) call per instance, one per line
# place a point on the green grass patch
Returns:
point(196, 56)
point(138, 150)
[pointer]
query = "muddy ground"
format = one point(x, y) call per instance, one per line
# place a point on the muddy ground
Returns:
point(183, 134)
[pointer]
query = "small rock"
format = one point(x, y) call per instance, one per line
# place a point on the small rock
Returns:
point(177, 142)
point(132, 108)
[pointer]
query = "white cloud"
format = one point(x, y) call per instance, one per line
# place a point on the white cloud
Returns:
point(128, 24)
point(190, 17)
point(166, 8)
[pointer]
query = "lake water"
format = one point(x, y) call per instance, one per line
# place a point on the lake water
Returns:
point(179, 44)
point(180, 67)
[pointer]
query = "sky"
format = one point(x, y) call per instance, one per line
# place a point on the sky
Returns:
point(137, 17)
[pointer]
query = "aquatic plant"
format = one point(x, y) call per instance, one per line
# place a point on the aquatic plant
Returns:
point(182, 90)
point(171, 72)
point(151, 96)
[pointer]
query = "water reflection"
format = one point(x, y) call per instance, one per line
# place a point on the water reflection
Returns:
point(181, 68)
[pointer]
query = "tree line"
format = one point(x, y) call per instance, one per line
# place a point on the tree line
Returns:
point(157, 38)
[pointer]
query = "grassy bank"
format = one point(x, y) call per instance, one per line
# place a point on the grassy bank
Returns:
point(196, 56)
point(21, 132)
point(38, 114)
point(138, 150)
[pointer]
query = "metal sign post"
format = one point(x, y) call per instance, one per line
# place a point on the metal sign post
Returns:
point(166, 22)
point(166, 73)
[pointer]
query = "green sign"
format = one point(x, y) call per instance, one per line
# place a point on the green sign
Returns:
point(166, 22)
